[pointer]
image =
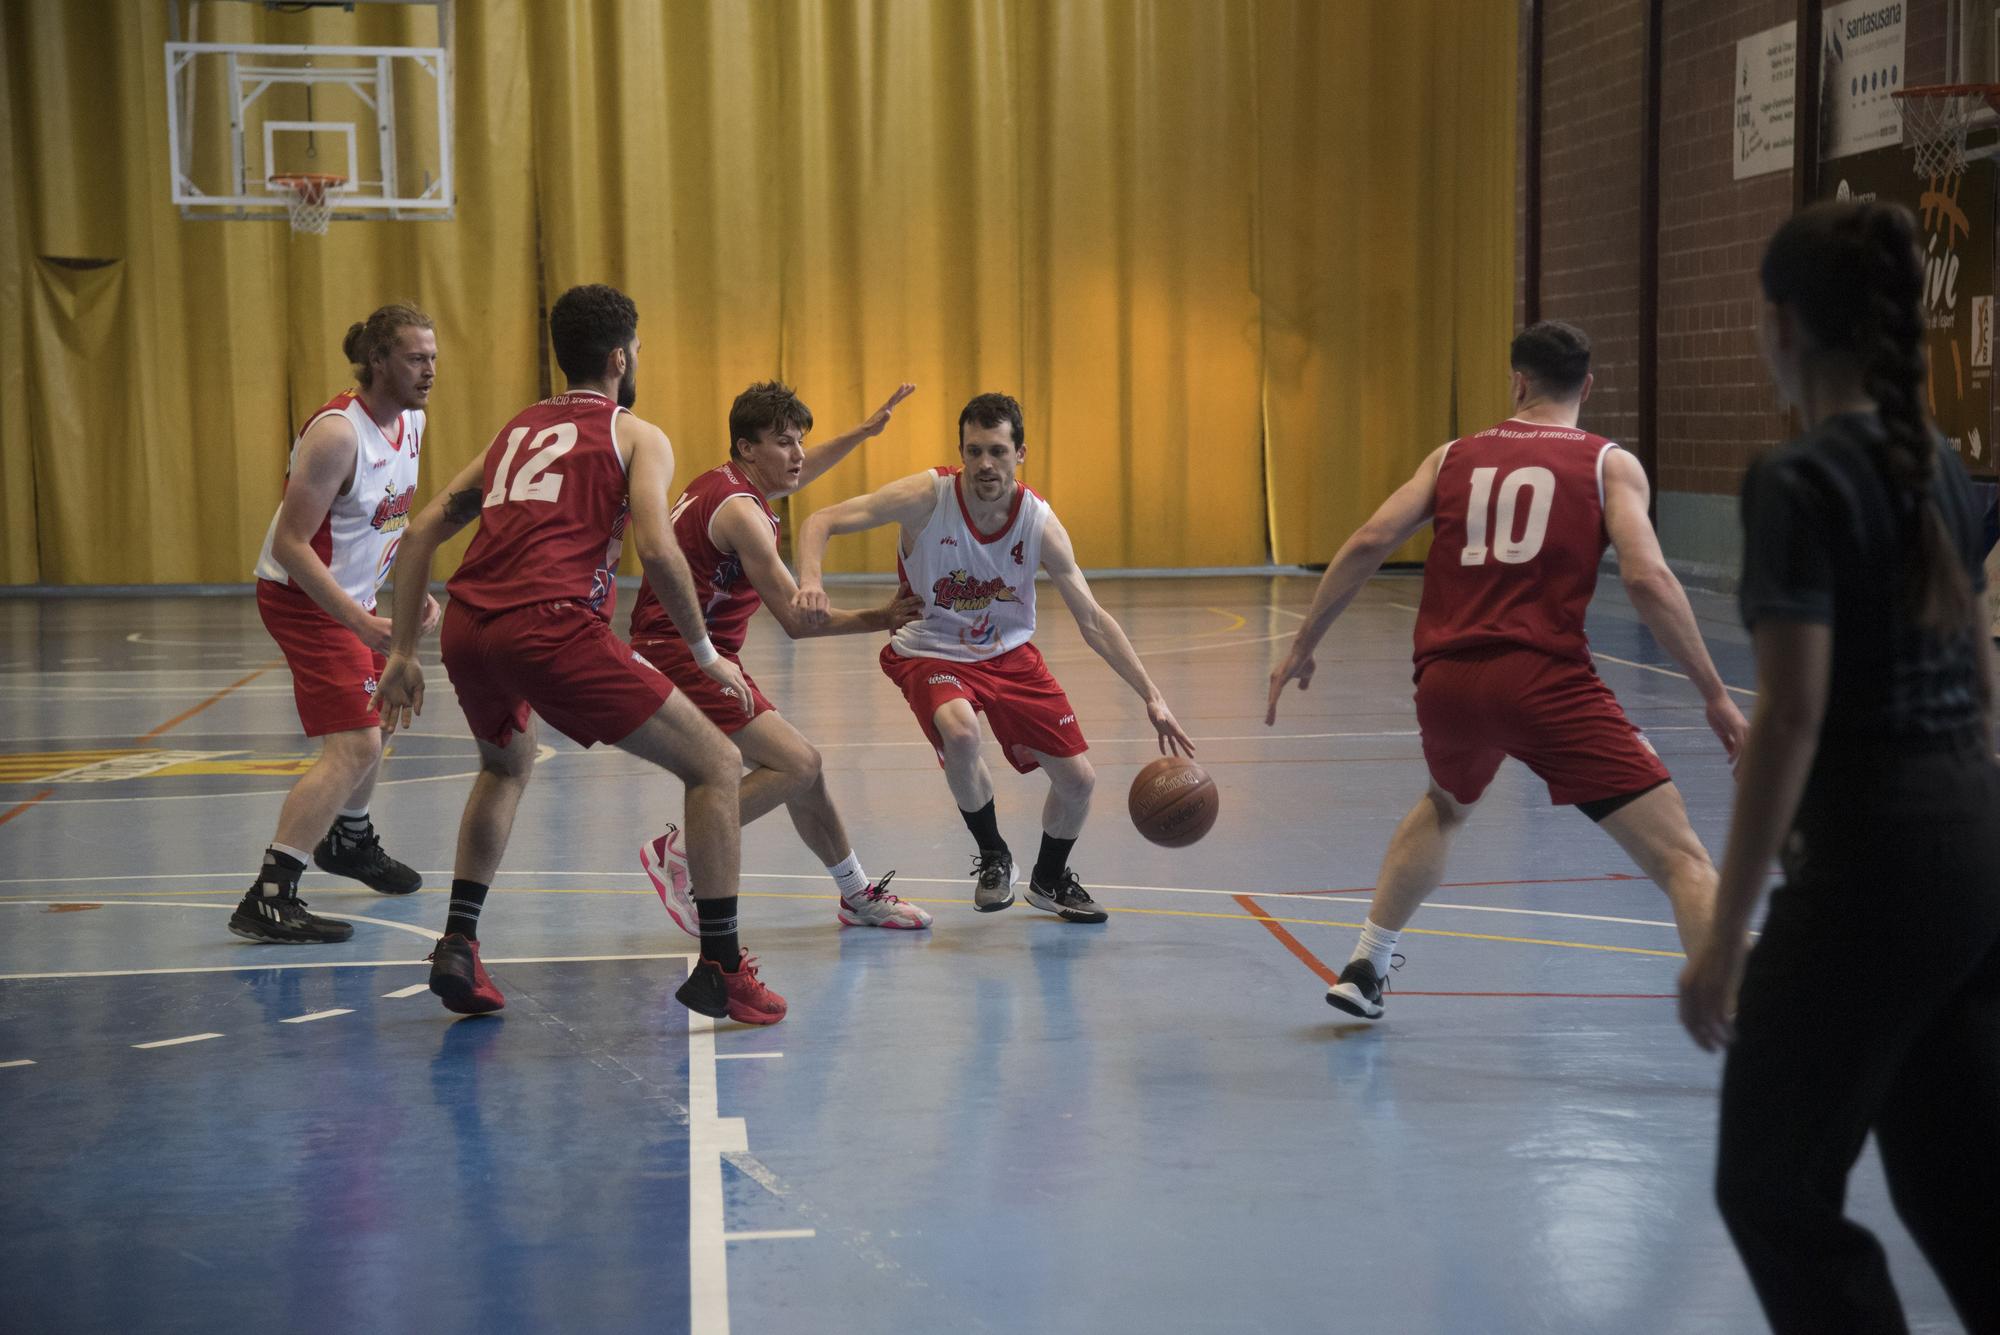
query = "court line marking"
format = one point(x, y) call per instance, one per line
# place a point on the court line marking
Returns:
point(543, 753)
point(310, 1016)
point(17, 810)
point(181, 904)
point(333, 964)
point(710, 1136)
point(770, 1234)
point(1287, 940)
point(25, 1061)
point(176, 1042)
point(409, 991)
point(187, 714)
point(745, 1056)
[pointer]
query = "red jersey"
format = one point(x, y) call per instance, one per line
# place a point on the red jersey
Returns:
point(727, 599)
point(554, 516)
point(1518, 532)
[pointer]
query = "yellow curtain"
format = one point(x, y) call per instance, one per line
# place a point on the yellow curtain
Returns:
point(1243, 261)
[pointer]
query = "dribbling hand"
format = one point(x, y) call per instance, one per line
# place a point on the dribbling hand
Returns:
point(432, 615)
point(1296, 666)
point(730, 678)
point(399, 695)
point(811, 605)
point(1726, 721)
point(1173, 740)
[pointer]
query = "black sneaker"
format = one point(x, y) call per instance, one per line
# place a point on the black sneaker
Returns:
point(993, 880)
point(363, 860)
point(1359, 991)
point(283, 920)
point(1067, 899)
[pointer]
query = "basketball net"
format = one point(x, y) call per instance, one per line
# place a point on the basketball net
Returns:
point(307, 199)
point(1935, 121)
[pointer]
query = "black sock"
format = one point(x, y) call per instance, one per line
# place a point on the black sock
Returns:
point(718, 931)
point(1053, 860)
point(467, 898)
point(353, 829)
point(985, 827)
point(280, 875)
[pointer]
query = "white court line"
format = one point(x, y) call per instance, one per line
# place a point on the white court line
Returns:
point(709, 1138)
point(25, 1061)
point(409, 991)
point(544, 753)
point(745, 1056)
point(770, 1234)
point(310, 1016)
point(175, 1042)
point(331, 964)
point(178, 904)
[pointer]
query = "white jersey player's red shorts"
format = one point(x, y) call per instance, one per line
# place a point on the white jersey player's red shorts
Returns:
point(333, 672)
point(559, 659)
point(1551, 713)
point(1025, 705)
point(671, 655)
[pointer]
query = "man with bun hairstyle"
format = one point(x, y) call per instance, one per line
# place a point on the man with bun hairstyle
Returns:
point(348, 492)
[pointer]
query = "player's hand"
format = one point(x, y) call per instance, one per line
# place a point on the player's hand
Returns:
point(903, 609)
point(1297, 666)
point(811, 605)
point(878, 422)
point(1173, 741)
point(399, 695)
point(1708, 993)
point(730, 678)
point(432, 613)
point(1726, 720)
point(375, 632)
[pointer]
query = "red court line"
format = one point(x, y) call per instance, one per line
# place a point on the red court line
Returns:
point(187, 714)
point(21, 807)
point(1330, 977)
point(1471, 885)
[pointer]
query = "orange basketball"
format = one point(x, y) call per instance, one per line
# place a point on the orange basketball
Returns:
point(1174, 802)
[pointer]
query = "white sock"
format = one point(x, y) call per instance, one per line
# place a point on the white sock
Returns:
point(1375, 946)
point(848, 876)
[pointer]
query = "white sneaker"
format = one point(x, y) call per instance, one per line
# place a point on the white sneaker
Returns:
point(667, 867)
point(876, 907)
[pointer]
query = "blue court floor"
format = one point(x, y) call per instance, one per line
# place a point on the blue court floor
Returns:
point(1007, 1124)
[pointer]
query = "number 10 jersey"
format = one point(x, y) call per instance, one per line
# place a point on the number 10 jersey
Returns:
point(1518, 532)
point(552, 521)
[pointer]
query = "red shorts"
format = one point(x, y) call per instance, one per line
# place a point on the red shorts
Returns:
point(333, 672)
point(671, 655)
point(1025, 705)
point(1552, 714)
point(561, 660)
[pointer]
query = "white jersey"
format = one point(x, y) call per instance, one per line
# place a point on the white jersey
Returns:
point(978, 591)
point(358, 537)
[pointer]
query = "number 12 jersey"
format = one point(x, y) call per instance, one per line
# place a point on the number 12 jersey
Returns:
point(1518, 532)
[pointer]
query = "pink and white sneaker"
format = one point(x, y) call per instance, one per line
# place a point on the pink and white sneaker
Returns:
point(876, 907)
point(667, 867)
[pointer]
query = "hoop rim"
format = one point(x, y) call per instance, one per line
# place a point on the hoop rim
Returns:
point(1989, 91)
point(294, 180)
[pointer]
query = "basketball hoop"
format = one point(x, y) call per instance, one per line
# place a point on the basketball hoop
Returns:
point(1935, 119)
point(307, 198)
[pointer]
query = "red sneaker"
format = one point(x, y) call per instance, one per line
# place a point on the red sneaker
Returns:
point(460, 980)
point(714, 991)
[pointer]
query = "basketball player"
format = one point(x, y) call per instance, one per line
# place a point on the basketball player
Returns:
point(1521, 514)
point(972, 538)
point(529, 627)
point(348, 489)
point(729, 535)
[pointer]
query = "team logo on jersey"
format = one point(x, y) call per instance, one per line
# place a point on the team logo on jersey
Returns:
point(947, 541)
point(981, 636)
point(727, 573)
point(959, 592)
point(388, 561)
point(393, 510)
point(368, 685)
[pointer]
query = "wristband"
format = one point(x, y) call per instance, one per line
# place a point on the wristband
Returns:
point(704, 652)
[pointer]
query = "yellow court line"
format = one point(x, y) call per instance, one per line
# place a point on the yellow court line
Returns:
point(949, 903)
point(1241, 622)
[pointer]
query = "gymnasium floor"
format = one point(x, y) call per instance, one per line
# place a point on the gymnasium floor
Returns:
point(1008, 1124)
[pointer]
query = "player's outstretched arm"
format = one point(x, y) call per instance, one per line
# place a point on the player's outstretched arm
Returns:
point(907, 501)
point(1407, 509)
point(1102, 633)
point(647, 476)
point(1658, 597)
point(830, 452)
point(323, 464)
point(1794, 672)
point(741, 529)
point(399, 695)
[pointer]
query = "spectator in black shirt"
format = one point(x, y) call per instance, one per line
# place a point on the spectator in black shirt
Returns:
point(1872, 999)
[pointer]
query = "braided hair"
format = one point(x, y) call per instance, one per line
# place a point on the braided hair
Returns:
point(376, 337)
point(1852, 275)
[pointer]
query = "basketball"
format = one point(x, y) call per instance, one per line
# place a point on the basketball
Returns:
point(1174, 802)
